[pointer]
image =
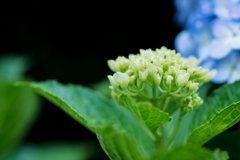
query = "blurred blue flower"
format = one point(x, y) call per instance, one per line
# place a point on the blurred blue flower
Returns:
point(212, 33)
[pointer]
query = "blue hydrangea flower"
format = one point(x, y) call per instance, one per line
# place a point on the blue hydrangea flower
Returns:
point(211, 33)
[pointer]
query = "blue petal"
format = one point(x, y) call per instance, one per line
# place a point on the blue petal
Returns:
point(234, 12)
point(184, 44)
point(203, 51)
point(219, 48)
point(208, 64)
point(221, 12)
point(235, 42)
point(224, 67)
point(221, 29)
point(223, 72)
point(235, 75)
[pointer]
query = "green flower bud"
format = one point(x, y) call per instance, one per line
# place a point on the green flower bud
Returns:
point(152, 69)
point(120, 65)
point(157, 79)
point(163, 69)
point(121, 78)
point(112, 81)
point(183, 79)
point(169, 80)
point(132, 80)
point(192, 85)
point(143, 75)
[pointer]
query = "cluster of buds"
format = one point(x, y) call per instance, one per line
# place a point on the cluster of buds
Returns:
point(162, 69)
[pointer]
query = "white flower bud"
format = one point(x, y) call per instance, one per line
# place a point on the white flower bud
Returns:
point(185, 65)
point(183, 79)
point(112, 65)
point(157, 62)
point(121, 78)
point(165, 75)
point(191, 70)
point(112, 81)
point(177, 56)
point(152, 69)
point(160, 70)
point(208, 76)
point(192, 85)
point(171, 70)
point(169, 80)
point(132, 80)
point(157, 79)
point(143, 75)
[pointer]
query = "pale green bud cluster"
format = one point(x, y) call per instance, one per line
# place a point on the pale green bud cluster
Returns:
point(174, 76)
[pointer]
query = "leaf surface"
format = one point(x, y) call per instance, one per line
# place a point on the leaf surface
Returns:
point(150, 115)
point(189, 153)
point(94, 111)
point(184, 129)
point(219, 123)
point(122, 144)
point(55, 151)
point(216, 109)
point(18, 106)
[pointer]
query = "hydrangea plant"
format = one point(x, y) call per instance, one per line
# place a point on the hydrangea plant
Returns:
point(212, 33)
point(161, 110)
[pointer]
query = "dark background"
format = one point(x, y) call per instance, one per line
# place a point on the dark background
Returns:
point(71, 42)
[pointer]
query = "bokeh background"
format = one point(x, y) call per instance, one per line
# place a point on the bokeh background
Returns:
point(71, 41)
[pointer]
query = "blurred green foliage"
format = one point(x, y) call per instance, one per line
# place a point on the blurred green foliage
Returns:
point(55, 151)
point(18, 106)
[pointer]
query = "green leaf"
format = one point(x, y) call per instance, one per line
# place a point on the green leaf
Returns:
point(92, 109)
point(122, 144)
point(150, 115)
point(184, 129)
point(203, 90)
point(229, 141)
point(219, 123)
point(19, 108)
point(207, 114)
point(188, 153)
point(55, 151)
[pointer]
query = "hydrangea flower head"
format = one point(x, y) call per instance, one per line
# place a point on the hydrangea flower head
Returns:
point(162, 69)
point(211, 33)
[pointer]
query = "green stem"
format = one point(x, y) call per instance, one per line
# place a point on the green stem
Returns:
point(162, 97)
point(144, 96)
point(166, 103)
point(162, 104)
point(154, 92)
point(175, 129)
point(146, 130)
point(154, 96)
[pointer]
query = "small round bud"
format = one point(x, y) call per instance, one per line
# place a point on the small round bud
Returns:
point(143, 75)
point(152, 69)
point(120, 65)
point(121, 78)
point(183, 79)
point(157, 79)
point(112, 81)
point(192, 85)
point(160, 70)
point(132, 80)
point(112, 65)
point(169, 80)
